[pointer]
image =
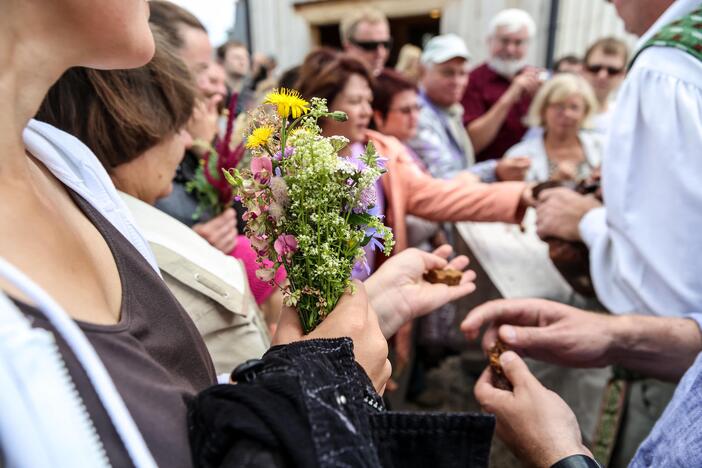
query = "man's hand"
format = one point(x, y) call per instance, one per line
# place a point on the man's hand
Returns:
point(533, 421)
point(547, 331)
point(352, 317)
point(220, 231)
point(526, 82)
point(512, 168)
point(398, 293)
point(559, 211)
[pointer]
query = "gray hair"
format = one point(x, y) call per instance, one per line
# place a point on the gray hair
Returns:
point(512, 19)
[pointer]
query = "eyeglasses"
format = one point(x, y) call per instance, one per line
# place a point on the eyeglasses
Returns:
point(596, 69)
point(407, 110)
point(371, 46)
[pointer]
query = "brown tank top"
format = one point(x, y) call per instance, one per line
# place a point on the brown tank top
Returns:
point(154, 355)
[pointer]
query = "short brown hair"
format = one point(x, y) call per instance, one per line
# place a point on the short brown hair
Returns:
point(608, 46)
point(386, 86)
point(170, 18)
point(324, 74)
point(119, 114)
point(222, 50)
point(348, 25)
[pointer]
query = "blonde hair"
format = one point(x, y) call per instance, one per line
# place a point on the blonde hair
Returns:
point(558, 89)
point(348, 25)
point(408, 61)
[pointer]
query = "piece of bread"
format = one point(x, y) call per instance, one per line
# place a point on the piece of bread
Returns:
point(499, 380)
point(448, 276)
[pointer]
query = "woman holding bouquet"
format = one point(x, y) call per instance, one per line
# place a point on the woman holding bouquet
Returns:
point(98, 360)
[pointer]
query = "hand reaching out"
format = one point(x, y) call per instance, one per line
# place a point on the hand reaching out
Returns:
point(398, 292)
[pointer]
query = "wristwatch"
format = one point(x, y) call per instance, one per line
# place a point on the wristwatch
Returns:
point(577, 461)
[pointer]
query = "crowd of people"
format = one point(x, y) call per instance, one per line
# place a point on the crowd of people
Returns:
point(135, 331)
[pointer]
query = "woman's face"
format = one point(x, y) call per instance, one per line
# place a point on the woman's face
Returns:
point(565, 117)
point(103, 34)
point(354, 99)
point(196, 52)
point(164, 159)
point(402, 117)
point(149, 177)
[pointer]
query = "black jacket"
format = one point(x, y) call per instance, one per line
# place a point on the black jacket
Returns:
point(309, 404)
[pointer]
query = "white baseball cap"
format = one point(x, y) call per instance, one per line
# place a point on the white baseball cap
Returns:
point(443, 48)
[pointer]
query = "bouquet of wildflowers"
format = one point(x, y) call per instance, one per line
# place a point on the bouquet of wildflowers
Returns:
point(308, 208)
point(213, 192)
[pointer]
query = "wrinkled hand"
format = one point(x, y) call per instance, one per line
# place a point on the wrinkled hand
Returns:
point(533, 421)
point(545, 330)
point(399, 294)
point(512, 168)
point(220, 231)
point(559, 211)
point(352, 317)
point(203, 122)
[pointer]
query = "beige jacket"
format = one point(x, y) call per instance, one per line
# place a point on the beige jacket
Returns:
point(210, 285)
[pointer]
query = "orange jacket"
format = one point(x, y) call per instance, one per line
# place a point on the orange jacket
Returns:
point(408, 190)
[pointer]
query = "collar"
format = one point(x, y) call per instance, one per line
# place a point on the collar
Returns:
point(678, 9)
point(453, 111)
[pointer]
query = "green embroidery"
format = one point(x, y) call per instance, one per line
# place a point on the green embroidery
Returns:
point(684, 34)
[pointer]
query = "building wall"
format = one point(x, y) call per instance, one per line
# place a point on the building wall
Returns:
point(581, 23)
point(280, 28)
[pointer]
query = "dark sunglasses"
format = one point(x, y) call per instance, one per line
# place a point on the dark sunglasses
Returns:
point(595, 69)
point(372, 45)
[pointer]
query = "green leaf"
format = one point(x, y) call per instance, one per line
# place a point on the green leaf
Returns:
point(361, 219)
point(234, 178)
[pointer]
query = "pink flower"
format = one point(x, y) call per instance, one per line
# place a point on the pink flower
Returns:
point(262, 168)
point(285, 245)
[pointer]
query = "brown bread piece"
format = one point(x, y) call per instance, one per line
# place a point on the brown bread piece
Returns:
point(448, 276)
point(498, 376)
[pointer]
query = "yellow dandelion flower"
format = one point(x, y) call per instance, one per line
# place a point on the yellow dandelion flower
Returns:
point(259, 137)
point(288, 101)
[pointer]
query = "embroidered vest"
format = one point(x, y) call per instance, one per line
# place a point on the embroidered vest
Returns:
point(684, 34)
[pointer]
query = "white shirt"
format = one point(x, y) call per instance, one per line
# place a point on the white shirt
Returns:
point(645, 245)
point(535, 150)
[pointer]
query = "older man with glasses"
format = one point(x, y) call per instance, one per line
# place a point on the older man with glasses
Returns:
point(366, 35)
point(501, 89)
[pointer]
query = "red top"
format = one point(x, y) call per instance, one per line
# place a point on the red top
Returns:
point(483, 91)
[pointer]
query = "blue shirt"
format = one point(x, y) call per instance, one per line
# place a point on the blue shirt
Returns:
point(676, 439)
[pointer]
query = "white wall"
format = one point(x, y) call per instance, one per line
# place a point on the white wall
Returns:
point(580, 23)
point(278, 30)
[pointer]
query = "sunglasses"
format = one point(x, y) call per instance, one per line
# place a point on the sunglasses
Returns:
point(372, 45)
point(596, 69)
